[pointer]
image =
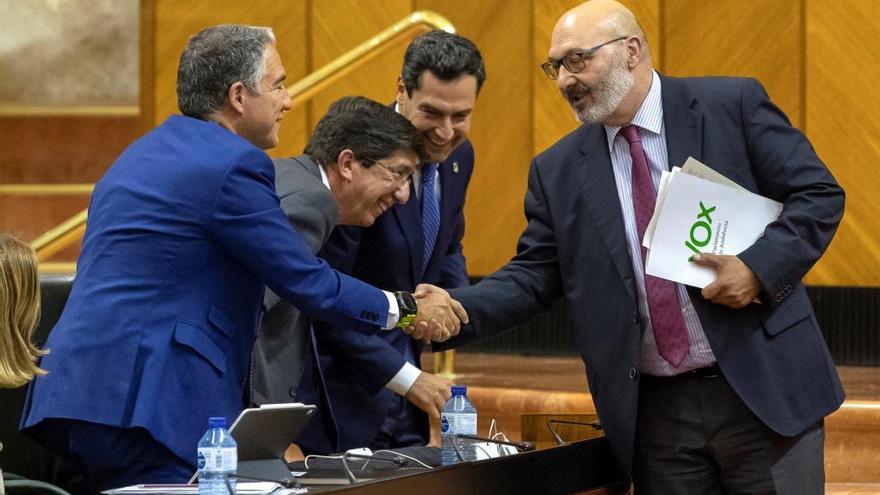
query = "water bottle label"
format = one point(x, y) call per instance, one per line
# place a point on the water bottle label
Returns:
point(444, 424)
point(466, 423)
point(230, 460)
point(218, 459)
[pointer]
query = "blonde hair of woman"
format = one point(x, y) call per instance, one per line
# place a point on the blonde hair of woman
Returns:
point(19, 312)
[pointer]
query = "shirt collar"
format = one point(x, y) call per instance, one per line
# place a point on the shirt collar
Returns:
point(324, 178)
point(649, 116)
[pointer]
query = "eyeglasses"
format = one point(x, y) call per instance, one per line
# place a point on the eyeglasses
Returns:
point(399, 177)
point(574, 61)
point(278, 88)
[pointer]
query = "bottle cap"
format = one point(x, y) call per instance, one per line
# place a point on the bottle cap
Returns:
point(216, 422)
point(459, 390)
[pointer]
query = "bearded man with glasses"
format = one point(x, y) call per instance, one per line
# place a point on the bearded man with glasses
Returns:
point(716, 391)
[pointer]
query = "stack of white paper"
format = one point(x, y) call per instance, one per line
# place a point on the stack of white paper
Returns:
point(699, 210)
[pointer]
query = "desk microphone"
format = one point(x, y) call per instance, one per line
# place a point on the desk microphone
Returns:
point(521, 446)
point(349, 473)
point(285, 483)
point(396, 461)
point(557, 438)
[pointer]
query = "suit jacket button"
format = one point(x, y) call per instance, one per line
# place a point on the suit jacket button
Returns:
point(636, 317)
point(292, 392)
point(633, 373)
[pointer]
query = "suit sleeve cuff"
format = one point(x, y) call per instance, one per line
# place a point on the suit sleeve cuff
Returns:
point(393, 311)
point(404, 379)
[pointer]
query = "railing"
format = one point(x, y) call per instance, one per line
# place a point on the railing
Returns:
point(52, 189)
point(306, 88)
point(72, 229)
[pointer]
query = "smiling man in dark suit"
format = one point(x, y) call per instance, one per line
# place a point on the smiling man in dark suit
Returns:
point(358, 163)
point(719, 391)
point(378, 395)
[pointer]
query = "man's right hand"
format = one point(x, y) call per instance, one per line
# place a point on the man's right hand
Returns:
point(439, 317)
point(430, 393)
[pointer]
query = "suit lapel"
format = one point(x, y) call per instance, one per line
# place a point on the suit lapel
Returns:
point(409, 220)
point(600, 195)
point(684, 127)
point(683, 123)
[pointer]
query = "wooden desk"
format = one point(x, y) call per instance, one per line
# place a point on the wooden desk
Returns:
point(580, 467)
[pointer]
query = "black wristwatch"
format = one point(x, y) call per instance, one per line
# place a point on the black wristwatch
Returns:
point(406, 303)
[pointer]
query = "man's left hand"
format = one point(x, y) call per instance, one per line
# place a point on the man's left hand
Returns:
point(430, 393)
point(735, 286)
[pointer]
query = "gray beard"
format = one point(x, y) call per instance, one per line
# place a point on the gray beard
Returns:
point(609, 93)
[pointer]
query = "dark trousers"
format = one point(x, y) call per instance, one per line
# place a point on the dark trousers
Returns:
point(695, 436)
point(405, 426)
point(111, 457)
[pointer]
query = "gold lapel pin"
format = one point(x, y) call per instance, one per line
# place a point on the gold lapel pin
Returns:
point(454, 167)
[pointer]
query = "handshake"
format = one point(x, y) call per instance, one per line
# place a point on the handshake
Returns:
point(439, 316)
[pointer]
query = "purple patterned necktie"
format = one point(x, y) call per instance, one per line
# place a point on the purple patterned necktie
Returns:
point(670, 334)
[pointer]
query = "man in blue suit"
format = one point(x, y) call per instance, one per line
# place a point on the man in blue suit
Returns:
point(184, 231)
point(379, 397)
point(719, 391)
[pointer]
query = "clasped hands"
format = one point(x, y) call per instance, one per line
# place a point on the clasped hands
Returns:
point(439, 317)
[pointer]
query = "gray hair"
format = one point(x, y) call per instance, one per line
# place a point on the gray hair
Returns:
point(214, 59)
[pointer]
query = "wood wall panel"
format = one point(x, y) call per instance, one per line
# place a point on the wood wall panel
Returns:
point(758, 38)
point(805, 52)
point(175, 22)
point(553, 117)
point(333, 34)
point(29, 216)
point(61, 149)
point(502, 125)
point(843, 122)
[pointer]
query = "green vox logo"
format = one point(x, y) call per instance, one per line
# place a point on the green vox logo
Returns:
point(701, 230)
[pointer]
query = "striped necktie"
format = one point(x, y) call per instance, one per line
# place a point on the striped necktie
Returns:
point(430, 212)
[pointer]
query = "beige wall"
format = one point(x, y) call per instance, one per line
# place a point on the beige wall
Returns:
point(808, 54)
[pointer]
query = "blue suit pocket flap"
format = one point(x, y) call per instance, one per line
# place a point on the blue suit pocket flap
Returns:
point(222, 322)
point(194, 337)
point(793, 310)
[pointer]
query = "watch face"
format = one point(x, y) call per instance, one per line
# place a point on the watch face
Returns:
point(407, 303)
point(408, 308)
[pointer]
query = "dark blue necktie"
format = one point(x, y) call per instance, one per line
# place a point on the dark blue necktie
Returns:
point(408, 351)
point(430, 227)
point(430, 211)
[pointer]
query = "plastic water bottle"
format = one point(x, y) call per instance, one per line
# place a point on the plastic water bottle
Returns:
point(218, 456)
point(458, 416)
